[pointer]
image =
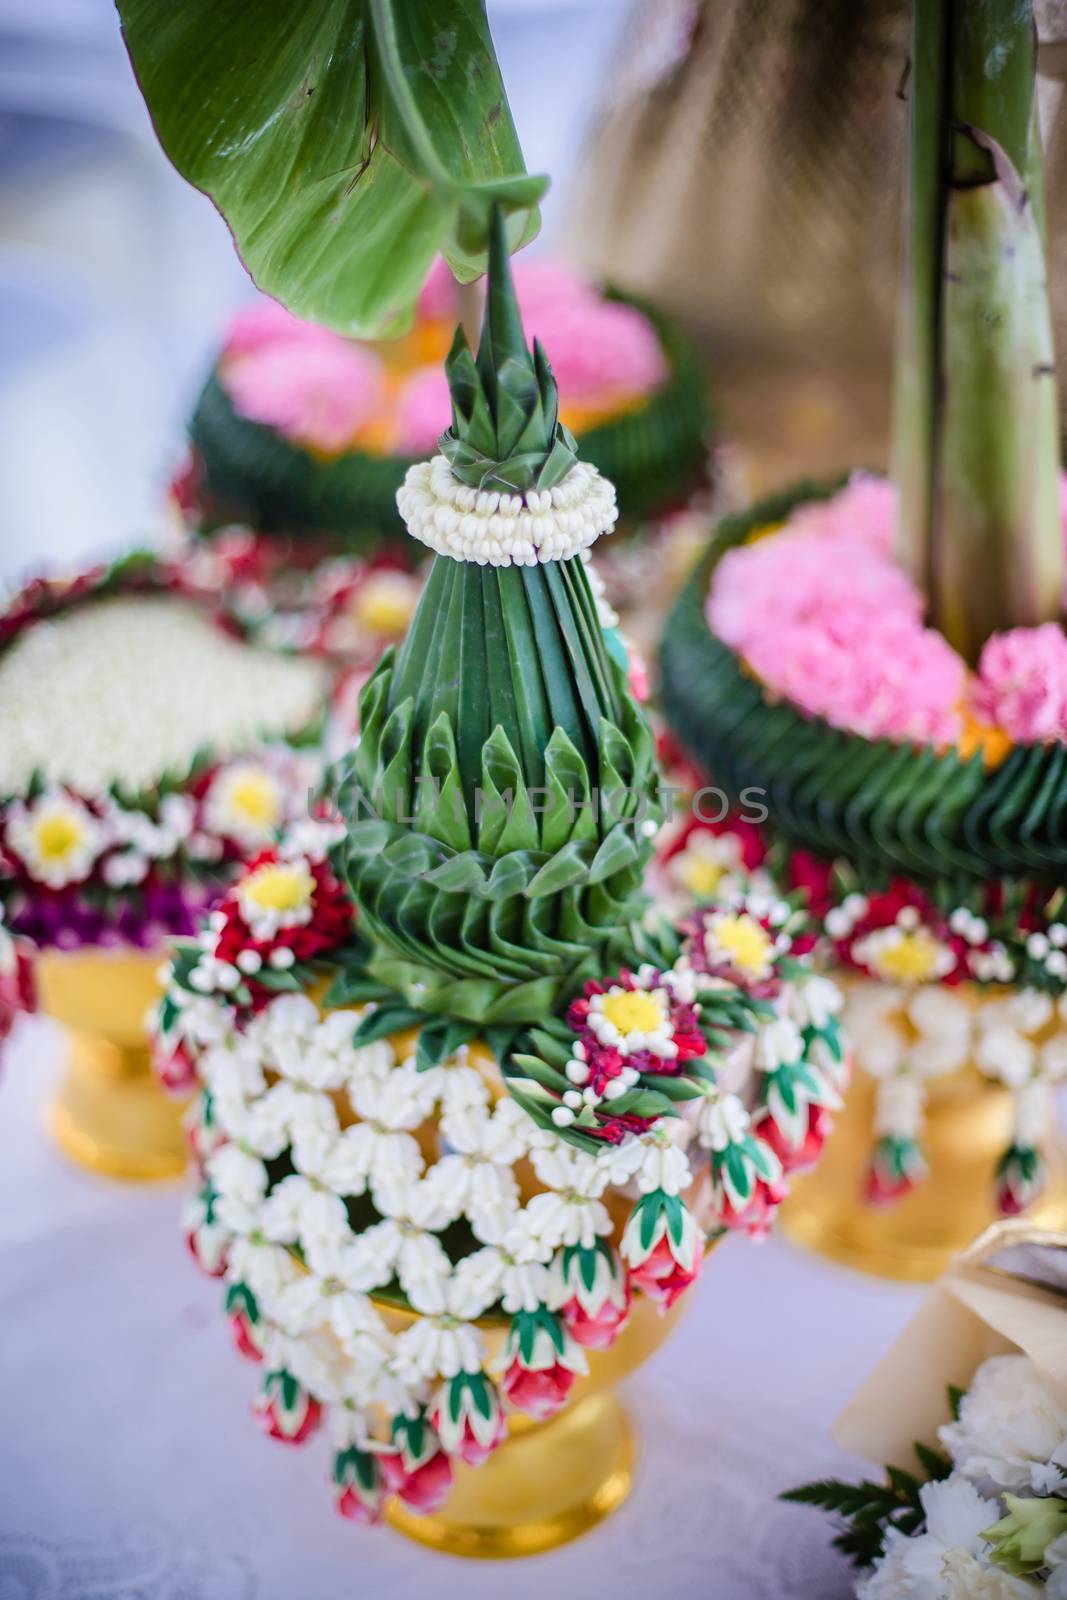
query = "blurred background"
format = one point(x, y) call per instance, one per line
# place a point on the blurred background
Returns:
point(116, 279)
point(737, 160)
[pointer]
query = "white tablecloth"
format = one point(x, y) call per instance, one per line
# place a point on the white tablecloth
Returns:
point(130, 1468)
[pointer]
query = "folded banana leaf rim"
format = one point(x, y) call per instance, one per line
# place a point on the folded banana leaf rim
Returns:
point(889, 809)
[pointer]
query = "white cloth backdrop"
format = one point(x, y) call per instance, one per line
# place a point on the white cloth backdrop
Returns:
point(130, 1468)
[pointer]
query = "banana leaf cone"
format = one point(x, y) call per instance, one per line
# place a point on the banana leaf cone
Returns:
point(501, 800)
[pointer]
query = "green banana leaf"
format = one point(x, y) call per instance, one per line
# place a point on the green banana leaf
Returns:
point(346, 143)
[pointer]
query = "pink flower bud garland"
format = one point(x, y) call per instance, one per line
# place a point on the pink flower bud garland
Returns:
point(309, 1217)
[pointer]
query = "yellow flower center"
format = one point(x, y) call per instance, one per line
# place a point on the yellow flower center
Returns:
point(745, 941)
point(633, 1011)
point(255, 795)
point(280, 887)
point(701, 876)
point(56, 835)
point(384, 608)
point(913, 958)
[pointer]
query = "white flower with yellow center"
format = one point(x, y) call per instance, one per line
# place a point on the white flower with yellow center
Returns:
point(56, 838)
point(707, 865)
point(630, 1020)
point(904, 955)
point(245, 803)
point(742, 942)
point(384, 604)
point(275, 896)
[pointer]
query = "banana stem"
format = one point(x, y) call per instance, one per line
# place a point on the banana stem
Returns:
point(976, 437)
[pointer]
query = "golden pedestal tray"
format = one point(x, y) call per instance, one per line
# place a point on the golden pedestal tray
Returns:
point(111, 1115)
point(969, 1121)
point(548, 1481)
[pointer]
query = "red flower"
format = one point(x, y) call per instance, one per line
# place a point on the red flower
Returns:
point(422, 1488)
point(174, 1068)
point(896, 1167)
point(539, 1392)
point(285, 1410)
point(756, 1217)
point(662, 1277)
point(358, 1486)
point(596, 1330)
point(591, 1292)
point(329, 925)
point(802, 1157)
point(1020, 1180)
point(814, 877)
point(467, 1418)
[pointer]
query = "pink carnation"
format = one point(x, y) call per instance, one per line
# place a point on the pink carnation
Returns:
point(1022, 683)
point(424, 411)
point(599, 349)
point(264, 322)
point(824, 618)
point(317, 393)
point(865, 509)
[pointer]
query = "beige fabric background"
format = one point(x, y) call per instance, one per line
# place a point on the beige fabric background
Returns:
point(748, 171)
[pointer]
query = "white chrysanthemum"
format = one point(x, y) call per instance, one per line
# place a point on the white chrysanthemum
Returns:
point(56, 838)
point(1012, 1428)
point(912, 1568)
point(503, 530)
point(129, 689)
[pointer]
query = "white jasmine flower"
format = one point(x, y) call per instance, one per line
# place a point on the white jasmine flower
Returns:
point(1053, 1058)
point(132, 688)
point(778, 1042)
point(899, 1107)
point(814, 1001)
point(721, 1121)
point(502, 530)
point(439, 1347)
point(1012, 1428)
point(1034, 1112)
point(550, 1220)
point(1002, 1053)
point(240, 1184)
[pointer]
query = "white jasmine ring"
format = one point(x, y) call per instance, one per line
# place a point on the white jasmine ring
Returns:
point(504, 530)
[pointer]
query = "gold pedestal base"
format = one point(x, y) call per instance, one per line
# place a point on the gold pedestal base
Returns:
point(111, 1115)
point(969, 1124)
point(543, 1487)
